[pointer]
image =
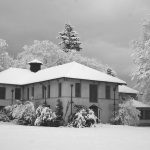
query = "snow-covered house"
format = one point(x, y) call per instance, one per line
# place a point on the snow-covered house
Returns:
point(69, 82)
point(127, 92)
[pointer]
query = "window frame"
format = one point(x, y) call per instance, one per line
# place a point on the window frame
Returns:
point(19, 92)
point(3, 92)
point(78, 90)
point(107, 94)
point(32, 91)
point(145, 114)
point(59, 89)
point(93, 95)
point(48, 91)
point(28, 93)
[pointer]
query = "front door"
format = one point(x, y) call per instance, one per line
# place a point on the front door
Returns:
point(96, 110)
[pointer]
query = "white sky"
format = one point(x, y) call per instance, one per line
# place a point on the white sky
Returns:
point(106, 27)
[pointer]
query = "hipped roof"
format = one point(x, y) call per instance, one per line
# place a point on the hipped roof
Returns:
point(74, 70)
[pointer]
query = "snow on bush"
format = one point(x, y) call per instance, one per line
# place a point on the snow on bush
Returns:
point(128, 114)
point(45, 117)
point(4, 117)
point(27, 116)
point(83, 118)
point(23, 113)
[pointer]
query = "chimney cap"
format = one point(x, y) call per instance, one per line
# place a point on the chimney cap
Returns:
point(35, 61)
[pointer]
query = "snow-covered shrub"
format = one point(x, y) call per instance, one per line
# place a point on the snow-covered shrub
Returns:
point(128, 114)
point(4, 117)
point(23, 113)
point(27, 114)
point(45, 117)
point(8, 111)
point(83, 118)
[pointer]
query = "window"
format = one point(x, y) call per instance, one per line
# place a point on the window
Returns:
point(59, 89)
point(93, 93)
point(2, 92)
point(145, 114)
point(28, 93)
point(17, 93)
point(107, 91)
point(48, 92)
point(32, 91)
point(78, 90)
point(43, 91)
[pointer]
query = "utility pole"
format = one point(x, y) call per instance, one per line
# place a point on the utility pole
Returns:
point(71, 98)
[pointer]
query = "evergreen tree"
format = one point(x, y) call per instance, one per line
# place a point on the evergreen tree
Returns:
point(59, 110)
point(111, 72)
point(70, 39)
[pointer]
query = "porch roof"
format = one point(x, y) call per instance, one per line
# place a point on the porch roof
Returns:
point(126, 89)
point(139, 104)
point(70, 70)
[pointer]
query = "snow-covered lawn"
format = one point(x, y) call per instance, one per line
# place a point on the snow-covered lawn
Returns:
point(106, 137)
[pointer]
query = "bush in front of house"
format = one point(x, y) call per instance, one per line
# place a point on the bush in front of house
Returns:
point(127, 114)
point(23, 113)
point(9, 111)
point(27, 114)
point(45, 117)
point(4, 117)
point(83, 118)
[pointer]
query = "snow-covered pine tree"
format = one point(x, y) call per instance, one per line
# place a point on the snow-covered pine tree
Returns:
point(111, 72)
point(70, 39)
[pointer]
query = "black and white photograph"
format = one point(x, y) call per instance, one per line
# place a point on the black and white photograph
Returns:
point(74, 74)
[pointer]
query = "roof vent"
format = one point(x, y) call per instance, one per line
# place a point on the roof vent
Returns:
point(35, 65)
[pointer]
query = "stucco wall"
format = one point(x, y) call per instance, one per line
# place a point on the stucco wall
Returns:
point(8, 95)
point(104, 104)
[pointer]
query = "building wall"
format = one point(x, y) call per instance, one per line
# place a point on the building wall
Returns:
point(9, 98)
point(105, 105)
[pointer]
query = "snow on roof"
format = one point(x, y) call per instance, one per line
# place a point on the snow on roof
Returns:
point(139, 104)
point(69, 70)
point(126, 89)
point(15, 76)
point(76, 71)
point(35, 61)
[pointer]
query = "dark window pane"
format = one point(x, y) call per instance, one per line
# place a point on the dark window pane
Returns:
point(17, 93)
point(107, 91)
point(78, 90)
point(28, 93)
point(93, 93)
point(48, 92)
point(2, 92)
point(147, 114)
point(32, 91)
point(59, 90)
point(43, 91)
